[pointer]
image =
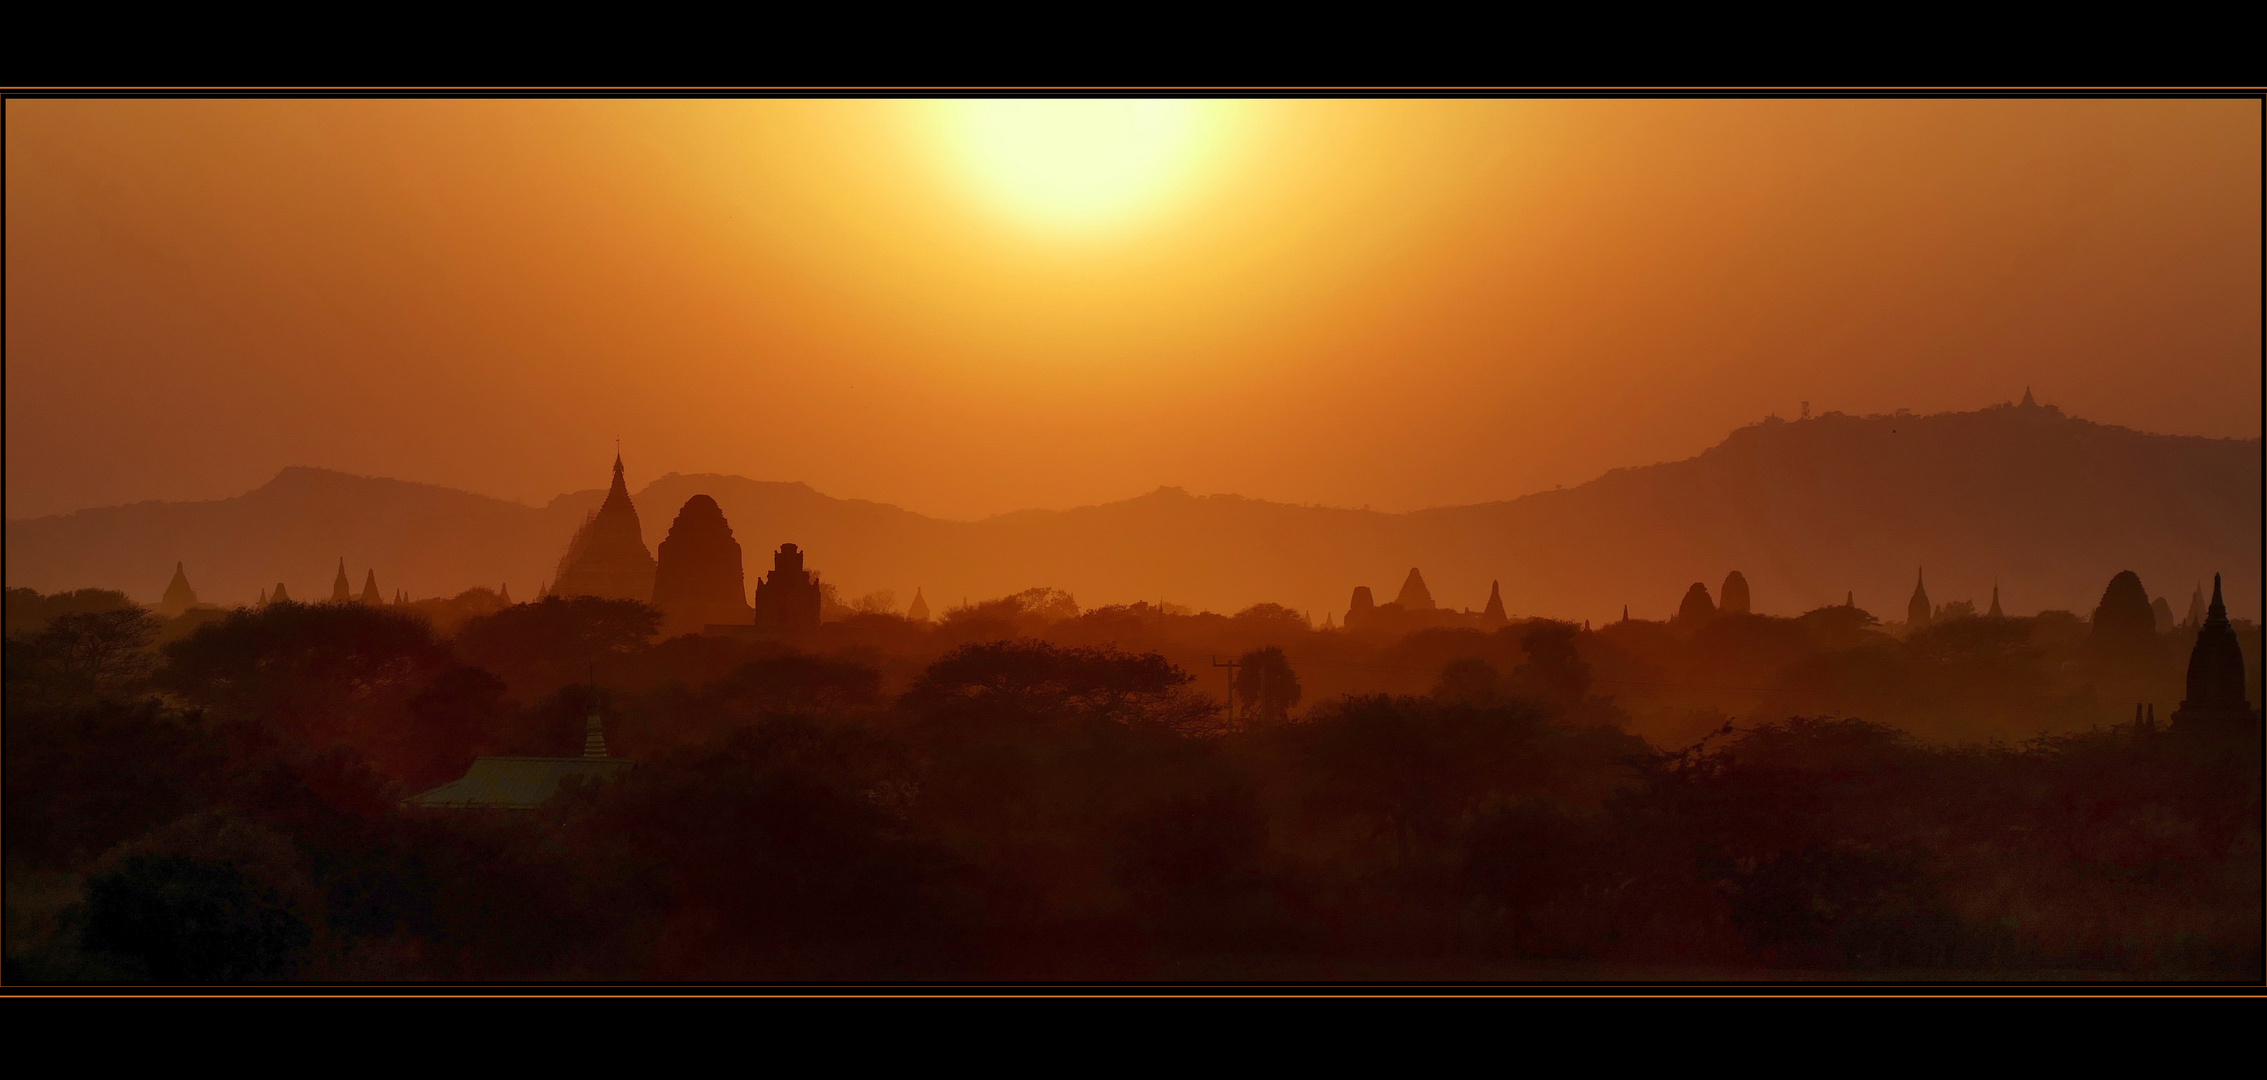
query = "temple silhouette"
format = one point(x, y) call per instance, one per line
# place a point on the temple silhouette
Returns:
point(524, 783)
point(179, 597)
point(787, 599)
point(607, 557)
point(699, 579)
point(2215, 674)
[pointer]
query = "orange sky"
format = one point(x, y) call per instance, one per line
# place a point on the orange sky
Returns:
point(1387, 303)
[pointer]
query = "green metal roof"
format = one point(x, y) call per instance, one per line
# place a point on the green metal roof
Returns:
point(517, 783)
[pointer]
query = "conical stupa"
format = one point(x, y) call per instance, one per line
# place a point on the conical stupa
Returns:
point(179, 597)
point(279, 596)
point(1414, 595)
point(594, 735)
point(340, 592)
point(2195, 607)
point(919, 610)
point(370, 593)
point(1995, 613)
point(1493, 613)
point(1917, 610)
point(607, 557)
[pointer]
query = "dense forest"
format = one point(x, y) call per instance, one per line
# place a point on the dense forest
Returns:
point(1026, 789)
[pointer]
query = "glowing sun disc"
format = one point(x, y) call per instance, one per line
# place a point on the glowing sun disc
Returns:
point(1073, 164)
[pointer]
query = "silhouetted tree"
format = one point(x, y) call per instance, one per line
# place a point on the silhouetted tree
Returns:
point(1035, 679)
point(81, 657)
point(1553, 671)
point(1266, 686)
point(540, 647)
point(27, 610)
point(1470, 681)
point(332, 675)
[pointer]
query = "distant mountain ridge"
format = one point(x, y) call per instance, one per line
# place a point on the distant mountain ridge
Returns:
point(2046, 505)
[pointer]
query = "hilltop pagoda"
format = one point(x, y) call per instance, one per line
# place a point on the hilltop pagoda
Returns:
point(608, 557)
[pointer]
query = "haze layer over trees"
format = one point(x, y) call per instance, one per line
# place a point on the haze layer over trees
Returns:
point(1027, 788)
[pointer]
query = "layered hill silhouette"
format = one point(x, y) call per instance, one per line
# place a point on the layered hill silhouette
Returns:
point(2046, 506)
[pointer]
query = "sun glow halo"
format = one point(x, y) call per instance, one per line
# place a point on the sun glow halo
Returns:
point(1075, 165)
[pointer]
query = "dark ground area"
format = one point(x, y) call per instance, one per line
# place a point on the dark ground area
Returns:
point(1015, 794)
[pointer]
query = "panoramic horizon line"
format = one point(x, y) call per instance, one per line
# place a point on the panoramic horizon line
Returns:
point(1767, 420)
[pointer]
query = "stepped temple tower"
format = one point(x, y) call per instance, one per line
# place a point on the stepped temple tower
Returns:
point(699, 578)
point(787, 599)
point(340, 593)
point(607, 558)
point(179, 597)
point(2215, 674)
point(1735, 599)
point(1493, 614)
point(1414, 595)
point(1917, 611)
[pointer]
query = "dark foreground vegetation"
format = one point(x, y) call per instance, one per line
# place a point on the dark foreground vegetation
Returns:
point(1004, 800)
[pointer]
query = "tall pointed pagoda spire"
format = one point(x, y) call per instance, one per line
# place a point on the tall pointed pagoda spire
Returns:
point(1995, 613)
point(1917, 610)
point(2215, 673)
point(1493, 613)
point(340, 592)
point(370, 593)
point(607, 557)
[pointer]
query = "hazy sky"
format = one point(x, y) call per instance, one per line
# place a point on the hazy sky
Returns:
point(967, 309)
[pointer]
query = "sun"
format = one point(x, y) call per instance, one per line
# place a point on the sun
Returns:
point(1074, 166)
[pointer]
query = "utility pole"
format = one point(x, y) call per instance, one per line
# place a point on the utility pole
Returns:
point(1231, 665)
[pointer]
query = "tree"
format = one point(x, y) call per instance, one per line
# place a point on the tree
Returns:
point(81, 657)
point(1553, 672)
point(328, 674)
point(1266, 685)
point(1470, 681)
point(540, 647)
point(1036, 680)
